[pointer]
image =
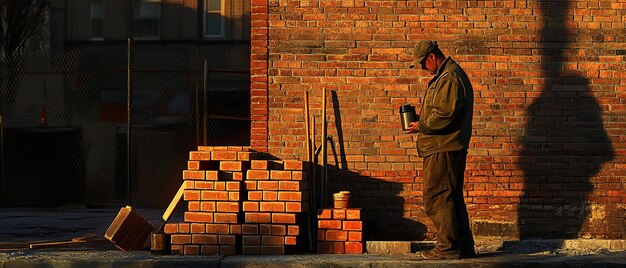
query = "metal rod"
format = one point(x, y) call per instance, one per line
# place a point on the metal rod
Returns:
point(205, 117)
point(324, 153)
point(2, 147)
point(128, 120)
point(199, 132)
point(307, 127)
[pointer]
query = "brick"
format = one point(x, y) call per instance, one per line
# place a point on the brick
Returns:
point(293, 230)
point(259, 165)
point(354, 248)
point(291, 186)
point(209, 250)
point(226, 239)
point(193, 206)
point(191, 249)
point(250, 185)
point(250, 229)
point(257, 174)
point(198, 217)
point(352, 225)
point(270, 195)
point(197, 228)
point(184, 228)
point(217, 228)
point(193, 165)
point(191, 195)
point(336, 235)
point(290, 196)
point(193, 175)
point(253, 217)
point(204, 239)
point(250, 206)
point(324, 214)
point(265, 229)
point(287, 218)
point(272, 240)
point(266, 165)
point(225, 217)
point(255, 195)
point(171, 228)
point(233, 166)
point(298, 175)
point(353, 213)
point(272, 206)
point(267, 185)
point(204, 185)
point(180, 239)
point(224, 155)
point(338, 247)
point(339, 214)
point(177, 249)
point(230, 175)
point(228, 207)
point(329, 224)
point(246, 156)
point(228, 250)
point(235, 229)
point(211, 175)
point(290, 240)
point(279, 229)
point(194, 155)
point(251, 240)
point(293, 207)
point(355, 236)
point(219, 185)
point(233, 186)
point(280, 175)
point(234, 196)
point(208, 206)
point(210, 195)
point(293, 165)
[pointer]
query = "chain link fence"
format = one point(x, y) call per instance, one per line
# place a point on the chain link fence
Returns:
point(64, 136)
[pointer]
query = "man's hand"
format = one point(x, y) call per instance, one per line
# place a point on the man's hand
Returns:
point(412, 127)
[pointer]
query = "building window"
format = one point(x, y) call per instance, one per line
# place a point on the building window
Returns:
point(97, 17)
point(147, 16)
point(213, 19)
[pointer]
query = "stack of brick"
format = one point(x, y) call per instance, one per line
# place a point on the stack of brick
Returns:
point(340, 231)
point(239, 204)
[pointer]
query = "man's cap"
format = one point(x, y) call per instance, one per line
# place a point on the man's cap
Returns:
point(421, 50)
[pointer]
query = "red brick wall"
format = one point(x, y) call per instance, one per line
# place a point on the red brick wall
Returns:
point(548, 154)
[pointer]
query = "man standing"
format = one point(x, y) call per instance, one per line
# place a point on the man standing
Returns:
point(444, 130)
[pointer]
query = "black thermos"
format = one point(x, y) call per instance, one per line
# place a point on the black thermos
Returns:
point(407, 115)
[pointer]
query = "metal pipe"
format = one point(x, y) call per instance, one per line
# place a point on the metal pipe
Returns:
point(128, 119)
point(205, 117)
point(324, 153)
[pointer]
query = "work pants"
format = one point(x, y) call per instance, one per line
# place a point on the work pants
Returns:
point(444, 203)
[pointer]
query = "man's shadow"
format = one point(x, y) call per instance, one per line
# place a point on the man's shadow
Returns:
point(564, 143)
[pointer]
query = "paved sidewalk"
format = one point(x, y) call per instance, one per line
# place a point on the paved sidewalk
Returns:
point(24, 225)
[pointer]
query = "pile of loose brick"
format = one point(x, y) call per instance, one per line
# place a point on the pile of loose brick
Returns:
point(340, 231)
point(241, 204)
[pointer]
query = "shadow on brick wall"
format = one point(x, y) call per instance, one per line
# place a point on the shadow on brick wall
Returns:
point(564, 144)
point(383, 206)
point(384, 213)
